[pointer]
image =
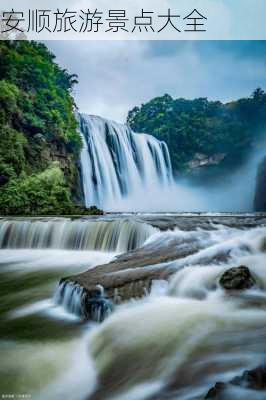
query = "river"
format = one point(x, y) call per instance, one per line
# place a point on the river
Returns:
point(186, 334)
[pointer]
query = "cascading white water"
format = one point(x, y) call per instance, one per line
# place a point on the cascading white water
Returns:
point(117, 235)
point(177, 344)
point(174, 344)
point(74, 299)
point(116, 162)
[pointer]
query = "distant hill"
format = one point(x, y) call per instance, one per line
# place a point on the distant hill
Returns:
point(201, 132)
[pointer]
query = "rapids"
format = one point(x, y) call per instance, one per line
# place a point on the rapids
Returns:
point(179, 341)
point(118, 235)
point(38, 337)
point(175, 343)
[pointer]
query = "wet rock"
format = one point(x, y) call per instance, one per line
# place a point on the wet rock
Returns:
point(130, 275)
point(98, 306)
point(237, 278)
point(254, 379)
point(203, 221)
point(203, 160)
point(93, 306)
point(260, 193)
point(216, 391)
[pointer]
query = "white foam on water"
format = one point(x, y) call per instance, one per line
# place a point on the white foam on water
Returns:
point(28, 260)
point(117, 235)
point(45, 307)
point(190, 327)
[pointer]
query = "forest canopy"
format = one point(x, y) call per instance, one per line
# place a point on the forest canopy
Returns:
point(202, 126)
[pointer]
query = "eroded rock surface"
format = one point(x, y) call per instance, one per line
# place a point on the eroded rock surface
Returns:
point(130, 275)
point(203, 160)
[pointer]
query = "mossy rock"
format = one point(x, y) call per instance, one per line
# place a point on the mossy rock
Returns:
point(237, 278)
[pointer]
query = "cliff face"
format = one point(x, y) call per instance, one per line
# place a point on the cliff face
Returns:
point(39, 139)
point(260, 194)
point(203, 160)
point(69, 164)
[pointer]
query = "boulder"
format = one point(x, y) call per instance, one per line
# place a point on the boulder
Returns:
point(98, 306)
point(216, 391)
point(254, 379)
point(237, 278)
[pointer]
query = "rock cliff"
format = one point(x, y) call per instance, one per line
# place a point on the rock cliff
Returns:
point(260, 193)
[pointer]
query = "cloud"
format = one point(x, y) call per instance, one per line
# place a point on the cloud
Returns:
point(114, 76)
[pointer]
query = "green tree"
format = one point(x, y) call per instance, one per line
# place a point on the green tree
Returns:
point(201, 126)
point(37, 127)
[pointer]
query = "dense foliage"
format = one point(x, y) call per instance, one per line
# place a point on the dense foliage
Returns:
point(202, 126)
point(37, 129)
point(43, 193)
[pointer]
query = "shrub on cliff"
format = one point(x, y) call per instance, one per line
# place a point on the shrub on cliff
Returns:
point(40, 193)
point(37, 126)
point(43, 193)
point(35, 93)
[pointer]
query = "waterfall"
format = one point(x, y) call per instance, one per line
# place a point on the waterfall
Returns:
point(116, 162)
point(176, 344)
point(61, 233)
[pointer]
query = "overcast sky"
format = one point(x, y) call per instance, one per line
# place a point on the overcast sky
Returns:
point(115, 76)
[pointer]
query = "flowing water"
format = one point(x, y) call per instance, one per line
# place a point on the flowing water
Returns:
point(125, 171)
point(173, 344)
point(188, 335)
point(118, 235)
point(118, 163)
point(39, 339)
